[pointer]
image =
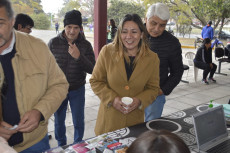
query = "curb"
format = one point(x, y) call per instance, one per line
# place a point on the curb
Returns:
point(192, 47)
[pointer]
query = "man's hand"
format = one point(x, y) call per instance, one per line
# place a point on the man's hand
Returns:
point(135, 104)
point(160, 92)
point(29, 121)
point(118, 105)
point(5, 131)
point(74, 51)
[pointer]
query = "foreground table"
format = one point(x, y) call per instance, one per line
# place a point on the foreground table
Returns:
point(180, 123)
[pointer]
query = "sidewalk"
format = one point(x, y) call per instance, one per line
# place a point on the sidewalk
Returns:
point(183, 96)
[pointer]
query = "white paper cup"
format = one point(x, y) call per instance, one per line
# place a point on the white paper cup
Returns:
point(127, 101)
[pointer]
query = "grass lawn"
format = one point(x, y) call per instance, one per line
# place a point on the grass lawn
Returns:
point(190, 41)
point(187, 41)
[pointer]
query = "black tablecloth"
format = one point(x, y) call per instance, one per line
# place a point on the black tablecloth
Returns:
point(180, 123)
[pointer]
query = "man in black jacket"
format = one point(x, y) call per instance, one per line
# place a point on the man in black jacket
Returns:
point(169, 52)
point(75, 56)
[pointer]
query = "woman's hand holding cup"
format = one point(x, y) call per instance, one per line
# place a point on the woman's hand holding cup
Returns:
point(133, 105)
point(119, 105)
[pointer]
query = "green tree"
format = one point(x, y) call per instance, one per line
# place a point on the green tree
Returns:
point(41, 21)
point(22, 8)
point(27, 6)
point(34, 9)
point(66, 1)
point(118, 9)
point(68, 6)
point(202, 10)
point(87, 9)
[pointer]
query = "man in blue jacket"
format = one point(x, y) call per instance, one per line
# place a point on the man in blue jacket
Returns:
point(207, 31)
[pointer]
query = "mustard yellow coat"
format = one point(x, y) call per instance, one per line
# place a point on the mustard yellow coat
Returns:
point(109, 80)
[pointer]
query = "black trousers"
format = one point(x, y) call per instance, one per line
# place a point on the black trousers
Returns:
point(207, 69)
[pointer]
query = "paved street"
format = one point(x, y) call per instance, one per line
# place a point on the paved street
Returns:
point(184, 96)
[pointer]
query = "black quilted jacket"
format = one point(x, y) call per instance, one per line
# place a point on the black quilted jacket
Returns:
point(74, 70)
point(168, 49)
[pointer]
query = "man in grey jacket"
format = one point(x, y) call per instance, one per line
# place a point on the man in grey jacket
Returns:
point(168, 49)
point(75, 56)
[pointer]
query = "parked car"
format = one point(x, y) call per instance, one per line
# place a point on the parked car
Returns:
point(171, 23)
point(223, 34)
point(171, 26)
point(197, 23)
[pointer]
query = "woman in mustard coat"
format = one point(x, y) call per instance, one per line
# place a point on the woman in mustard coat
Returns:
point(125, 68)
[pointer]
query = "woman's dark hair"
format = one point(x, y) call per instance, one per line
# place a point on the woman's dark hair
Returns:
point(143, 46)
point(24, 20)
point(158, 141)
point(206, 41)
point(7, 5)
point(112, 23)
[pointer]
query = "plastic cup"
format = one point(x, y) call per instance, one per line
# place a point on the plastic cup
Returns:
point(127, 101)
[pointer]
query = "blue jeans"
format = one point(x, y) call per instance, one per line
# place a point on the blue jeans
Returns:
point(39, 147)
point(154, 110)
point(76, 99)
